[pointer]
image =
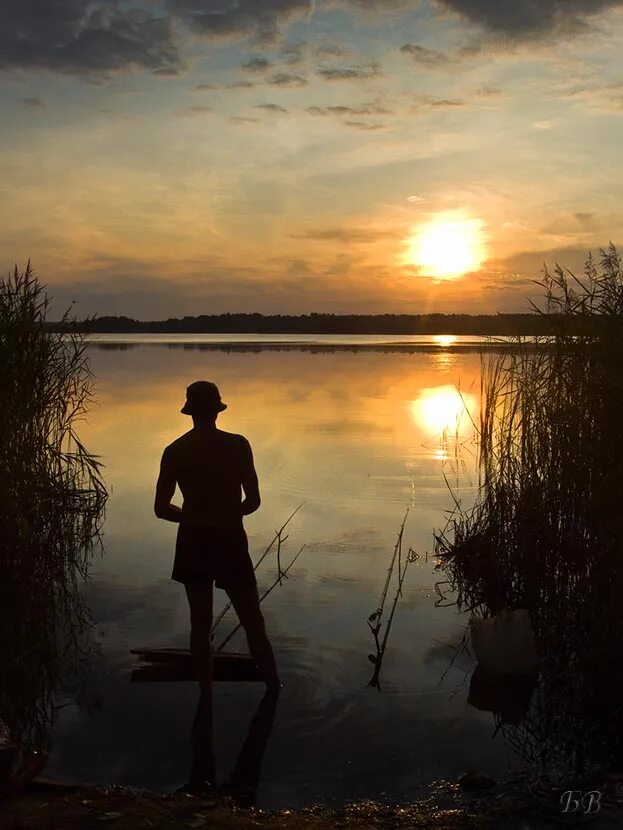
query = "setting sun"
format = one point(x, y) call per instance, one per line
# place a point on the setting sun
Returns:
point(446, 247)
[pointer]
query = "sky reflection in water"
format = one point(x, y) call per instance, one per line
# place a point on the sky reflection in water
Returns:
point(359, 437)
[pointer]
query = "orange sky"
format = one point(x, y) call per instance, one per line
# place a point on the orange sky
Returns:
point(172, 158)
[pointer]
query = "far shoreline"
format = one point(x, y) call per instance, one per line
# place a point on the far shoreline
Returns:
point(481, 325)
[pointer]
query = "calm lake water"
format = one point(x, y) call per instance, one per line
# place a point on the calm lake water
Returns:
point(357, 434)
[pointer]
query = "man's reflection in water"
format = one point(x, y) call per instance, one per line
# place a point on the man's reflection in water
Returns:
point(243, 781)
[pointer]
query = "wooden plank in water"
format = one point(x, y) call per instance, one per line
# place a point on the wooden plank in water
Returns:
point(170, 664)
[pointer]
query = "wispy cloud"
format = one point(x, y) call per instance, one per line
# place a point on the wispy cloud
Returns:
point(240, 85)
point(293, 53)
point(597, 96)
point(363, 109)
point(363, 125)
point(288, 79)
point(257, 64)
point(276, 108)
point(345, 235)
point(530, 263)
point(330, 50)
point(585, 218)
point(430, 58)
point(350, 73)
point(490, 93)
point(196, 110)
point(425, 102)
point(241, 119)
point(33, 103)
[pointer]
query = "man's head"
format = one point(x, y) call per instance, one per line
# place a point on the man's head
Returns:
point(203, 400)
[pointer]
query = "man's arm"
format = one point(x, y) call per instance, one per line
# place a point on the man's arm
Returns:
point(250, 483)
point(165, 488)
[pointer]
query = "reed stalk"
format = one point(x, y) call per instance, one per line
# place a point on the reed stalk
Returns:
point(545, 532)
point(52, 499)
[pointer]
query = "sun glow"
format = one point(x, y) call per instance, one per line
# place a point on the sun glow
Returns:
point(444, 409)
point(444, 339)
point(447, 247)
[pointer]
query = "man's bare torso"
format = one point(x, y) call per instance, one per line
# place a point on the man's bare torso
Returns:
point(210, 468)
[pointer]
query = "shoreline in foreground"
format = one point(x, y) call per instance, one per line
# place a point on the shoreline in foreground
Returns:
point(50, 805)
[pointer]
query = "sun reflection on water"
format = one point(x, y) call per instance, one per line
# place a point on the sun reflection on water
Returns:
point(443, 409)
point(445, 339)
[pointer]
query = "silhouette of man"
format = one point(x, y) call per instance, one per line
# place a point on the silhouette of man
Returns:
point(211, 468)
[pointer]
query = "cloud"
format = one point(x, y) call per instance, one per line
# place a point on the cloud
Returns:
point(530, 18)
point(271, 108)
point(240, 119)
point(345, 235)
point(349, 73)
point(361, 125)
point(430, 58)
point(293, 53)
point(332, 50)
point(79, 36)
point(241, 85)
point(584, 218)
point(214, 18)
point(204, 87)
point(198, 110)
point(427, 102)
point(530, 263)
point(167, 73)
point(288, 79)
point(94, 37)
point(489, 93)
point(299, 268)
point(364, 109)
point(257, 64)
point(117, 285)
point(33, 103)
point(608, 97)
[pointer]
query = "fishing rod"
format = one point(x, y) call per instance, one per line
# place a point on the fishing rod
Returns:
point(277, 538)
point(378, 660)
point(412, 556)
point(264, 595)
point(376, 615)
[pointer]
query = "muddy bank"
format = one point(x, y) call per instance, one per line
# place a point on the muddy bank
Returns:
point(51, 806)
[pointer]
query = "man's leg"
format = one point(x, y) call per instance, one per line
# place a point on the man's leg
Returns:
point(200, 600)
point(246, 604)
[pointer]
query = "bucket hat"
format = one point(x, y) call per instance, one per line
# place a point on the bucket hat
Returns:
point(203, 398)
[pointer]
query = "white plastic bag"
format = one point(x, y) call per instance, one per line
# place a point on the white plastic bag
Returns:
point(505, 643)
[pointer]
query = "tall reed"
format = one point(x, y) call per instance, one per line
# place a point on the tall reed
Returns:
point(545, 533)
point(52, 499)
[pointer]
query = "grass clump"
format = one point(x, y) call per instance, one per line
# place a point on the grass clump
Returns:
point(546, 533)
point(52, 498)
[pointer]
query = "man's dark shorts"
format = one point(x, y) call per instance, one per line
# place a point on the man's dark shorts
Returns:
point(219, 554)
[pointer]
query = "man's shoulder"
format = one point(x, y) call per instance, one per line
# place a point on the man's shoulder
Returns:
point(185, 446)
point(177, 446)
point(233, 438)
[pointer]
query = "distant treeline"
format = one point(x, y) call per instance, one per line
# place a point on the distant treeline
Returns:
point(476, 324)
